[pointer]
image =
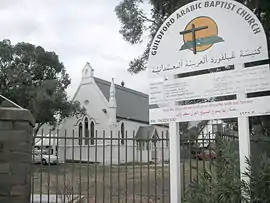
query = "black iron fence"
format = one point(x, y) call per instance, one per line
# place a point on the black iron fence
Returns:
point(108, 168)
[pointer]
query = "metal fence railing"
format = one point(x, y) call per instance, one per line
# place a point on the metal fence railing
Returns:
point(110, 167)
point(106, 168)
point(200, 148)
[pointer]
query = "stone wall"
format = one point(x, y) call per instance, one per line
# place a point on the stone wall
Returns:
point(16, 127)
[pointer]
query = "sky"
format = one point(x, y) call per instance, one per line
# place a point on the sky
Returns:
point(79, 31)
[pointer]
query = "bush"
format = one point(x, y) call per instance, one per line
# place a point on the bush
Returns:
point(259, 174)
point(222, 184)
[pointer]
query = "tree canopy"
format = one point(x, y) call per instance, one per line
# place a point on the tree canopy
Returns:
point(136, 22)
point(36, 80)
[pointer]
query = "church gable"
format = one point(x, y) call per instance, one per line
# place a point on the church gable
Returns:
point(90, 97)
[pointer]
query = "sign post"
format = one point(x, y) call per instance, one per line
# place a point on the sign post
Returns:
point(200, 52)
point(175, 165)
point(244, 136)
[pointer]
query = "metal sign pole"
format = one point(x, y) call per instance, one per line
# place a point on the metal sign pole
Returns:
point(175, 165)
point(244, 136)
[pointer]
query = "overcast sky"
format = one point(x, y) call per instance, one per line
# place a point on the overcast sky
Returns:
point(79, 31)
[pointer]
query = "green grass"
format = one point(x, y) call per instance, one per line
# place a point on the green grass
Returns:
point(141, 182)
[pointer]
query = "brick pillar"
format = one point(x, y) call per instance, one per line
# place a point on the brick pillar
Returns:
point(16, 131)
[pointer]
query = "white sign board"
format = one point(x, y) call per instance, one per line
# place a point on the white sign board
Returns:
point(204, 34)
point(215, 110)
point(248, 80)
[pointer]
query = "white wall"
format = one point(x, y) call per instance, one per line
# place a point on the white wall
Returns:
point(95, 154)
point(148, 155)
point(98, 154)
point(97, 102)
point(88, 91)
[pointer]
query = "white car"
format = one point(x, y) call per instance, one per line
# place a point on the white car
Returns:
point(44, 159)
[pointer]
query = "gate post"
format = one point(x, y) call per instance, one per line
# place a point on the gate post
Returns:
point(16, 131)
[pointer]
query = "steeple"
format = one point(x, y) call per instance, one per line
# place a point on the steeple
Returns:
point(112, 101)
point(87, 74)
point(87, 71)
point(112, 105)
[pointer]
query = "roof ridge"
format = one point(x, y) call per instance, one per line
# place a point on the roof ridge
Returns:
point(123, 88)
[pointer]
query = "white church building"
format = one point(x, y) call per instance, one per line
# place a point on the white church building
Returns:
point(116, 113)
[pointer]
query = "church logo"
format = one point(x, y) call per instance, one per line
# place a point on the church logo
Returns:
point(200, 34)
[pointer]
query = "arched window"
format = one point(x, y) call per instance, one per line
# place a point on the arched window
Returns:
point(80, 134)
point(92, 133)
point(122, 133)
point(86, 131)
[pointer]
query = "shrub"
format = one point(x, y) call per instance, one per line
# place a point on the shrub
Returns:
point(222, 183)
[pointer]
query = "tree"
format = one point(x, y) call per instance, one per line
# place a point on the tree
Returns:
point(36, 80)
point(135, 22)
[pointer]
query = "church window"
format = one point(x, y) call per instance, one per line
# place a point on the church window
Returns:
point(80, 134)
point(122, 134)
point(92, 133)
point(86, 131)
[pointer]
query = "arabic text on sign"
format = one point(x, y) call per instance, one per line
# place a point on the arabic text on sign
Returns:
point(206, 60)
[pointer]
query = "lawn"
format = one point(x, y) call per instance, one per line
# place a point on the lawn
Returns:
point(130, 183)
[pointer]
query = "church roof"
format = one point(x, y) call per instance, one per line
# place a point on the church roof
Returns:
point(131, 104)
point(150, 132)
point(145, 132)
